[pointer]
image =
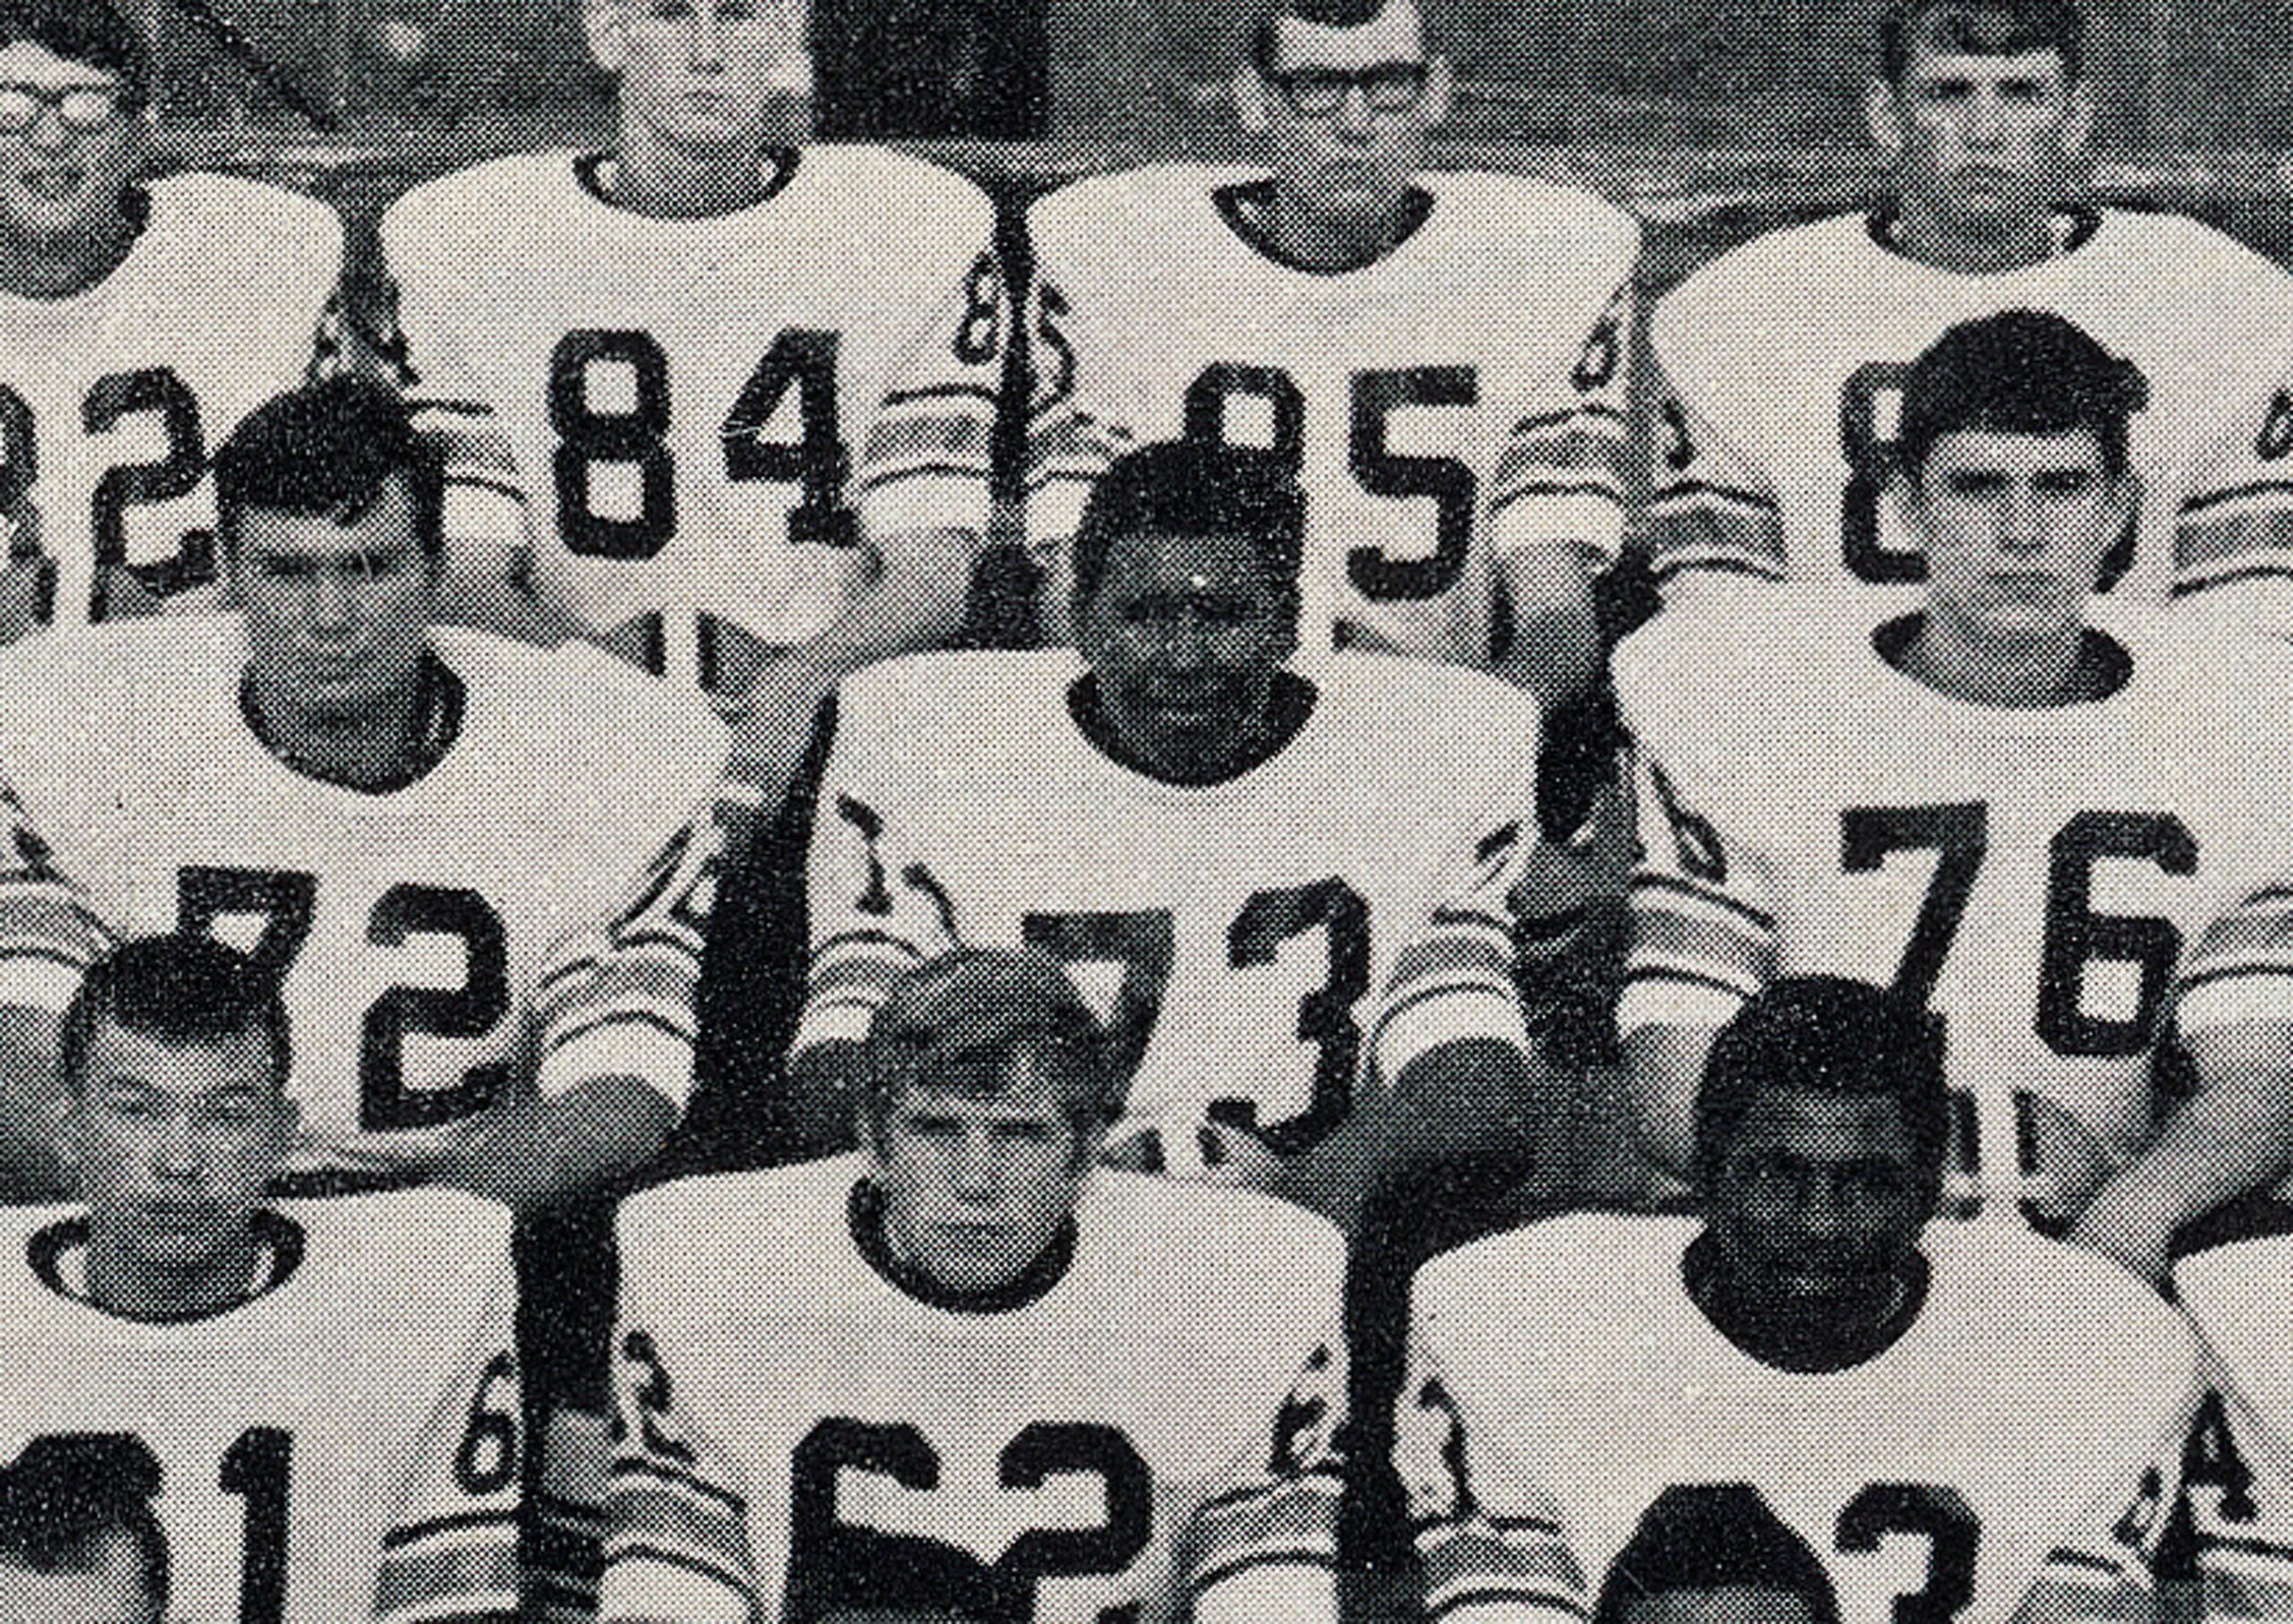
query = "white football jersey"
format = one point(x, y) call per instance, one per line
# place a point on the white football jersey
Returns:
point(1782, 364)
point(842, 1446)
point(1561, 1380)
point(692, 408)
point(1232, 936)
point(2049, 880)
point(113, 399)
point(345, 1444)
point(1463, 393)
point(541, 890)
point(2237, 1473)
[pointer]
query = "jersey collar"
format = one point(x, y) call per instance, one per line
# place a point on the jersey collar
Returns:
point(440, 709)
point(864, 1213)
point(1245, 205)
point(2073, 227)
point(1293, 701)
point(1698, 1277)
point(58, 1257)
point(2104, 666)
point(594, 172)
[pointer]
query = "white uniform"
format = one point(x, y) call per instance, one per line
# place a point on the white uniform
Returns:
point(1234, 936)
point(2044, 879)
point(845, 1446)
point(1562, 1380)
point(2237, 1473)
point(690, 410)
point(344, 1444)
point(112, 399)
point(1462, 397)
point(544, 884)
point(1782, 367)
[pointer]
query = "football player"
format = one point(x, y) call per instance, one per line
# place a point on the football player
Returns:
point(138, 322)
point(326, 1388)
point(1441, 355)
point(983, 1378)
point(1810, 1341)
point(2044, 830)
point(689, 354)
point(2233, 1274)
point(1783, 361)
point(1715, 1554)
point(79, 1541)
point(460, 854)
point(1234, 855)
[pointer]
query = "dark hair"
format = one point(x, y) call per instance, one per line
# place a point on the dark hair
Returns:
point(2021, 372)
point(1828, 1036)
point(1193, 488)
point(1715, 1536)
point(1266, 39)
point(1982, 28)
point(69, 1494)
point(326, 448)
point(182, 989)
point(88, 31)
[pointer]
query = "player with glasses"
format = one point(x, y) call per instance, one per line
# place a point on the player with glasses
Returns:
point(82, 110)
point(1438, 354)
point(141, 319)
point(1386, 87)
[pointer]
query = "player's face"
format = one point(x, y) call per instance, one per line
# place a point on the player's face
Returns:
point(1983, 144)
point(174, 1144)
point(1817, 1204)
point(695, 74)
point(79, 149)
point(1185, 635)
point(1346, 150)
point(338, 614)
point(111, 1592)
point(2014, 528)
point(977, 1187)
point(1729, 1604)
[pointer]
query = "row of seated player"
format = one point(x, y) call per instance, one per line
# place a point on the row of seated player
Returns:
point(767, 482)
point(968, 1372)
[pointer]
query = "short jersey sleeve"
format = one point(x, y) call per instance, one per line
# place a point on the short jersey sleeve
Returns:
point(927, 460)
point(1490, 1546)
point(1711, 511)
point(1703, 933)
point(876, 909)
point(676, 1512)
point(1561, 475)
point(1265, 1546)
point(452, 1551)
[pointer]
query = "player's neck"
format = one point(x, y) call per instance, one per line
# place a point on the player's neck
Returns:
point(1803, 1340)
point(1299, 234)
point(648, 177)
point(57, 269)
point(134, 1288)
point(380, 747)
point(2035, 674)
point(1921, 232)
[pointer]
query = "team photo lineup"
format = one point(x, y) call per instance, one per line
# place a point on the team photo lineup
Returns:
point(751, 877)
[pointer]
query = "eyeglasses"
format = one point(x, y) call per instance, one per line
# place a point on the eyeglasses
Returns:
point(82, 108)
point(1389, 86)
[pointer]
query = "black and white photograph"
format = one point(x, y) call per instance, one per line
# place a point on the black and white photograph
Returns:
point(1146, 811)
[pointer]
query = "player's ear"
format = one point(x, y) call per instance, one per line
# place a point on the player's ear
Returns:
point(1251, 92)
point(1440, 91)
point(1882, 116)
point(603, 22)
